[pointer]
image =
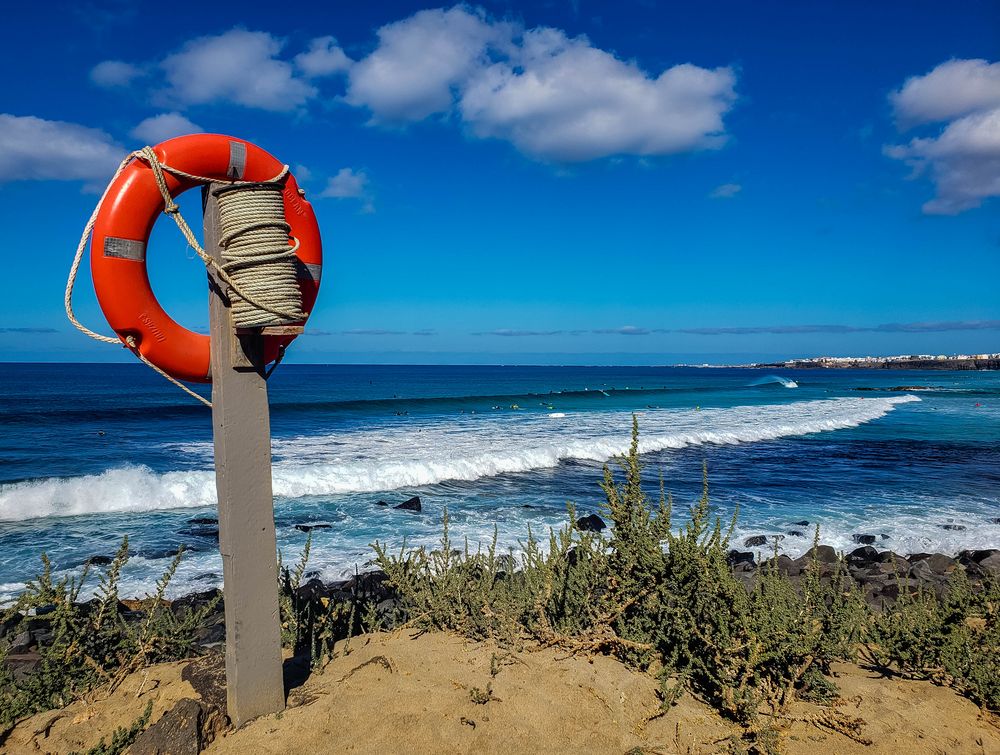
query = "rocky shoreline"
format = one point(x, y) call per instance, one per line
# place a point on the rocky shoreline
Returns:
point(881, 575)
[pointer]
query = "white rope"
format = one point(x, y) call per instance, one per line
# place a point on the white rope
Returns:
point(256, 255)
point(258, 264)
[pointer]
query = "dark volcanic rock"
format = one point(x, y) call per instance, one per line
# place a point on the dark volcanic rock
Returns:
point(740, 557)
point(864, 555)
point(166, 552)
point(795, 533)
point(863, 539)
point(953, 527)
point(98, 561)
point(995, 520)
point(785, 565)
point(381, 503)
point(974, 557)
point(178, 732)
point(21, 643)
point(803, 523)
point(413, 504)
point(937, 562)
point(7, 625)
point(755, 541)
point(203, 520)
point(824, 554)
point(311, 527)
point(591, 523)
point(991, 564)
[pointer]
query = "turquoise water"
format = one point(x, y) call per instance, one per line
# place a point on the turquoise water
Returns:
point(89, 453)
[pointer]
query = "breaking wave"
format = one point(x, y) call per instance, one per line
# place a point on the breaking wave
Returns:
point(430, 451)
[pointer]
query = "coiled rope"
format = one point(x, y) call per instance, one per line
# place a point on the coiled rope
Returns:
point(258, 265)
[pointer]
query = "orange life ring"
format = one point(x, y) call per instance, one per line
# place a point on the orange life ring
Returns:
point(121, 234)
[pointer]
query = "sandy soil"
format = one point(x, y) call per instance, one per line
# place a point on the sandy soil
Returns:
point(438, 693)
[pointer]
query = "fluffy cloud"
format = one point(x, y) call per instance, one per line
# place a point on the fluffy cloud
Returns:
point(562, 99)
point(953, 89)
point(554, 97)
point(963, 158)
point(238, 66)
point(164, 126)
point(420, 61)
point(114, 73)
point(725, 191)
point(347, 184)
point(36, 149)
point(323, 58)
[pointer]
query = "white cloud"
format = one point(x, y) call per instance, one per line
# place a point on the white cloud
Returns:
point(323, 58)
point(114, 73)
point(420, 61)
point(238, 66)
point(37, 149)
point(347, 184)
point(963, 159)
point(562, 99)
point(554, 97)
point(725, 191)
point(164, 126)
point(951, 90)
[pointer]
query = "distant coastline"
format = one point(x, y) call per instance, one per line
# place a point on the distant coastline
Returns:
point(912, 362)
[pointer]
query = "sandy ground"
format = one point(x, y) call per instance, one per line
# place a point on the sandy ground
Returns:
point(438, 693)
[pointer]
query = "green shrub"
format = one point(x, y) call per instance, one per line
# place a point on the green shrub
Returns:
point(952, 640)
point(91, 644)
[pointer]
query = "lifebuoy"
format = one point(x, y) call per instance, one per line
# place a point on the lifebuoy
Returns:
point(121, 234)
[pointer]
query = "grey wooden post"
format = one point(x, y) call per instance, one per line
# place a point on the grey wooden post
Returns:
point(242, 431)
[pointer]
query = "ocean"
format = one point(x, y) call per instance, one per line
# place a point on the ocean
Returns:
point(90, 453)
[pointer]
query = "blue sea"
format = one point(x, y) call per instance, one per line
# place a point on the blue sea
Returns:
point(89, 453)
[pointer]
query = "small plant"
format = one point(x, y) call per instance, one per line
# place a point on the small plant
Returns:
point(312, 621)
point(82, 646)
point(122, 737)
point(951, 640)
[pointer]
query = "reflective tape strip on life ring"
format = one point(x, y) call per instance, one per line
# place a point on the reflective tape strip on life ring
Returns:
point(121, 234)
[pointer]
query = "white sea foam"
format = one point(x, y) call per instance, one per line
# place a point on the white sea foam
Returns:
point(425, 451)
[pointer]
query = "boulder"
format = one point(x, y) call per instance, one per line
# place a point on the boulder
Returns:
point(740, 557)
point(863, 539)
point(801, 523)
point(23, 665)
point(590, 523)
point(381, 503)
point(178, 732)
point(786, 566)
point(953, 527)
point(21, 642)
point(974, 557)
point(8, 624)
point(203, 520)
point(937, 562)
point(991, 564)
point(755, 541)
point(98, 561)
point(825, 554)
point(412, 504)
point(863, 556)
point(795, 533)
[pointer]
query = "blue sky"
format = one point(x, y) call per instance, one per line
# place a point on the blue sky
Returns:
point(581, 182)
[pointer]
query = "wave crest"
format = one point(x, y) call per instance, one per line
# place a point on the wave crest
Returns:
point(427, 452)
